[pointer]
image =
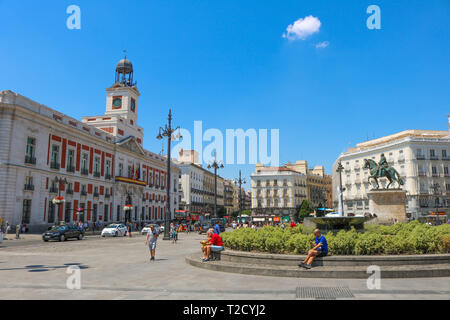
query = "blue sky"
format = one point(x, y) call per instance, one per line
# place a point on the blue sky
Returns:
point(226, 63)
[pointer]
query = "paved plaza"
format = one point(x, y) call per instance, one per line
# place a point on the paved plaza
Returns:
point(119, 268)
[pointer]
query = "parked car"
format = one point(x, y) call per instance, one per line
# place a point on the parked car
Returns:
point(62, 233)
point(114, 230)
point(147, 228)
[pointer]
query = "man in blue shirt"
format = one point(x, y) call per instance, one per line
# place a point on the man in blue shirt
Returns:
point(217, 228)
point(319, 250)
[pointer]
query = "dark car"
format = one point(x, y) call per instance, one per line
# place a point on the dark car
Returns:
point(62, 233)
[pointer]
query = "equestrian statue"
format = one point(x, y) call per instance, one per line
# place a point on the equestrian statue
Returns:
point(382, 169)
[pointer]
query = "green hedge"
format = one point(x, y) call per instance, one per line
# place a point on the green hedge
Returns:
point(401, 238)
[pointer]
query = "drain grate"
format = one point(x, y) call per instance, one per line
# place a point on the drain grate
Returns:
point(325, 293)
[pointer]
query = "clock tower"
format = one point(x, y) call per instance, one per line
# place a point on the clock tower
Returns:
point(122, 105)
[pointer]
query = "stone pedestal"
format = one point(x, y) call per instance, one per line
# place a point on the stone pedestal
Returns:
point(388, 205)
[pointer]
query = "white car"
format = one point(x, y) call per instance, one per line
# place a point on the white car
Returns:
point(115, 230)
point(146, 229)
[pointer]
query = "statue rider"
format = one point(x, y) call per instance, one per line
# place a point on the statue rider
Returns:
point(382, 165)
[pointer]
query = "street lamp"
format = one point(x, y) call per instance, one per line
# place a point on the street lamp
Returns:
point(216, 165)
point(339, 169)
point(59, 200)
point(436, 188)
point(240, 181)
point(167, 131)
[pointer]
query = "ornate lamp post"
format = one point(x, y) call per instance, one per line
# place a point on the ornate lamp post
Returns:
point(240, 181)
point(339, 169)
point(436, 188)
point(216, 165)
point(59, 200)
point(167, 131)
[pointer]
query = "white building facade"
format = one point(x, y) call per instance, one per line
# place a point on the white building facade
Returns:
point(99, 160)
point(421, 157)
point(277, 190)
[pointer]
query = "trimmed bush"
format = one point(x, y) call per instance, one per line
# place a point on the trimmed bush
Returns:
point(401, 238)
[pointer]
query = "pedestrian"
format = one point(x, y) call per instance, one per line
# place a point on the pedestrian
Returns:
point(8, 227)
point(150, 240)
point(217, 228)
point(320, 249)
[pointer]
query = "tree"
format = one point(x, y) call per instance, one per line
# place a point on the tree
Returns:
point(305, 210)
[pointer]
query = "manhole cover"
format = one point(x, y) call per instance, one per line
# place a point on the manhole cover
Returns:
point(328, 293)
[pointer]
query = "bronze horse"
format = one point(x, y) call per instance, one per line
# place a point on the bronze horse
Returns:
point(390, 173)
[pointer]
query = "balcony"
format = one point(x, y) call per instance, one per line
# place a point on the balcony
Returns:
point(53, 189)
point(96, 194)
point(435, 174)
point(69, 191)
point(422, 174)
point(97, 174)
point(107, 195)
point(107, 176)
point(84, 171)
point(54, 165)
point(28, 187)
point(434, 158)
point(420, 157)
point(83, 193)
point(70, 168)
point(30, 160)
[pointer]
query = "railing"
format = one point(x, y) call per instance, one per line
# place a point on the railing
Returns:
point(54, 165)
point(420, 157)
point(30, 160)
point(69, 191)
point(107, 176)
point(96, 194)
point(53, 190)
point(84, 171)
point(70, 168)
point(83, 193)
point(97, 174)
point(434, 158)
point(107, 195)
point(28, 187)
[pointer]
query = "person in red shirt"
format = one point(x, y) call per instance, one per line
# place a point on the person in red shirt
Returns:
point(293, 224)
point(212, 244)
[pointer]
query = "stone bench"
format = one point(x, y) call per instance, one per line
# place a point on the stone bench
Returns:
point(215, 256)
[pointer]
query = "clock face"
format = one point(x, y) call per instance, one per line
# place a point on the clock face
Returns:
point(117, 103)
point(133, 105)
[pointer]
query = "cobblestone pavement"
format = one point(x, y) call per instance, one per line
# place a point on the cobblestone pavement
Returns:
point(119, 268)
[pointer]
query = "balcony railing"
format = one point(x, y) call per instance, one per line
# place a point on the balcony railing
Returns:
point(70, 168)
point(30, 160)
point(54, 165)
point(69, 191)
point(434, 158)
point(83, 193)
point(107, 176)
point(97, 174)
point(420, 157)
point(84, 171)
point(107, 195)
point(28, 187)
point(96, 194)
point(53, 190)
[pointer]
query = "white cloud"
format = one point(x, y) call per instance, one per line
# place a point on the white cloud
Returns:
point(322, 44)
point(302, 28)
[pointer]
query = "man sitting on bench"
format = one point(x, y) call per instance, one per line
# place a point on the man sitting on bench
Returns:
point(319, 250)
point(212, 244)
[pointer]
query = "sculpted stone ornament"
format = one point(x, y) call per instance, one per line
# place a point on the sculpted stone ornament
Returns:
point(382, 170)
